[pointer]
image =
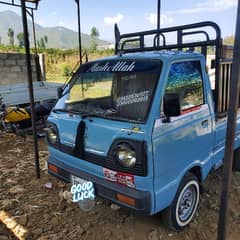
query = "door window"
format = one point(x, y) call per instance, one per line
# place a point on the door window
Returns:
point(185, 79)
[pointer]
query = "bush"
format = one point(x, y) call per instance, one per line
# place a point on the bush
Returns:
point(67, 70)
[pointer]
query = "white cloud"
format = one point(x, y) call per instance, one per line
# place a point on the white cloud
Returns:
point(114, 19)
point(165, 20)
point(206, 6)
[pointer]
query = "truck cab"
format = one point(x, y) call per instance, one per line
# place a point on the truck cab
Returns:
point(144, 127)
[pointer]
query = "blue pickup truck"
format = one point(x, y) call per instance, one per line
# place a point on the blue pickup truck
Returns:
point(146, 126)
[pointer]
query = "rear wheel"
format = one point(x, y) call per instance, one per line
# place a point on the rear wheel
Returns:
point(179, 214)
point(236, 160)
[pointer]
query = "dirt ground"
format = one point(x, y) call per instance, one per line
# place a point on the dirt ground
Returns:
point(43, 213)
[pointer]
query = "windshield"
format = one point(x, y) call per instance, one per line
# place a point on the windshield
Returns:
point(121, 90)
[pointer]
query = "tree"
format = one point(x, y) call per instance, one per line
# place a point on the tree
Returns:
point(20, 38)
point(42, 43)
point(0, 40)
point(45, 39)
point(94, 32)
point(10, 34)
point(94, 35)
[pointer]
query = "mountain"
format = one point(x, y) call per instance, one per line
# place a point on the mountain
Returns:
point(58, 37)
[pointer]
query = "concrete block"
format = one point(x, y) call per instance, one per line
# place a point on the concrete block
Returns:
point(3, 55)
point(15, 69)
point(10, 62)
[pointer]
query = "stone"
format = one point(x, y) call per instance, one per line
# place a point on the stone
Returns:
point(23, 220)
point(16, 189)
point(6, 204)
point(115, 207)
point(213, 227)
point(80, 230)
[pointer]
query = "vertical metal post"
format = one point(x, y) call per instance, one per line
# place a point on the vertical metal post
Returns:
point(158, 18)
point(30, 85)
point(231, 127)
point(34, 32)
point(158, 14)
point(79, 31)
point(38, 69)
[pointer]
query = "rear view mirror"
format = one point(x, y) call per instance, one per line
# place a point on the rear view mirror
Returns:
point(172, 105)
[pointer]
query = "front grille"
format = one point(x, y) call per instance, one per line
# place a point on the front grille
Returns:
point(138, 169)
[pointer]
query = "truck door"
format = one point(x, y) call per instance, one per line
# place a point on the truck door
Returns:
point(185, 140)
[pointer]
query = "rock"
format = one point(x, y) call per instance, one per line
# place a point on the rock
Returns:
point(23, 220)
point(9, 164)
point(213, 227)
point(7, 204)
point(115, 207)
point(153, 235)
point(80, 230)
point(16, 189)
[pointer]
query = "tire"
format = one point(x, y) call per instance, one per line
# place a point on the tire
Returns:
point(183, 208)
point(236, 160)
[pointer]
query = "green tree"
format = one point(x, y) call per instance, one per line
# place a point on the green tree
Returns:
point(94, 35)
point(46, 39)
point(0, 40)
point(20, 38)
point(42, 43)
point(94, 32)
point(10, 34)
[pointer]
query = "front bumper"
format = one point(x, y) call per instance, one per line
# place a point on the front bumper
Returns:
point(104, 188)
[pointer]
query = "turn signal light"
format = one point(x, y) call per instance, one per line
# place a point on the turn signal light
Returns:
point(125, 199)
point(53, 168)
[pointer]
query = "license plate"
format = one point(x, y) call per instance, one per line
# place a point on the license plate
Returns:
point(76, 180)
point(82, 189)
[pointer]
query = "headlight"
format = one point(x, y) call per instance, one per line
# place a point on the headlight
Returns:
point(51, 135)
point(125, 155)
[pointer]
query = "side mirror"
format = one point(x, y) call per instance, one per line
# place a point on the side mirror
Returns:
point(59, 92)
point(172, 105)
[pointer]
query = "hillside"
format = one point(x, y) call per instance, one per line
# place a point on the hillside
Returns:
point(58, 37)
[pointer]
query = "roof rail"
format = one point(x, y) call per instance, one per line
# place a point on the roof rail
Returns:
point(138, 41)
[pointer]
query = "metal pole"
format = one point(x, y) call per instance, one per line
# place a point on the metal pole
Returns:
point(158, 14)
point(231, 127)
point(30, 85)
point(34, 32)
point(158, 18)
point(31, 14)
point(79, 31)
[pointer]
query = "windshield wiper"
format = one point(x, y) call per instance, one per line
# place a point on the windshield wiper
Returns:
point(55, 110)
point(83, 115)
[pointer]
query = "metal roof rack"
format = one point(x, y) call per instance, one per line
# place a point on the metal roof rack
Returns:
point(138, 43)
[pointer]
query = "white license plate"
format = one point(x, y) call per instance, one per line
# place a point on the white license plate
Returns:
point(76, 180)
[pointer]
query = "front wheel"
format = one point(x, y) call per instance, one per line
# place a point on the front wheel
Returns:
point(179, 214)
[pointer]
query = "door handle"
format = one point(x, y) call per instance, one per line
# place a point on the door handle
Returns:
point(204, 123)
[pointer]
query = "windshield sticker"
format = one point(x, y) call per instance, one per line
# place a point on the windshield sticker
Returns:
point(133, 98)
point(82, 191)
point(129, 77)
point(120, 66)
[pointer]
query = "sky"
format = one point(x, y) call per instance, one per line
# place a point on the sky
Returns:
point(133, 15)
